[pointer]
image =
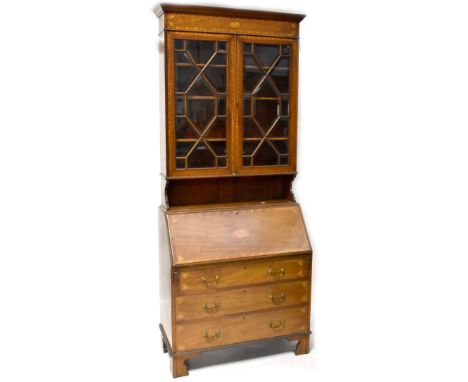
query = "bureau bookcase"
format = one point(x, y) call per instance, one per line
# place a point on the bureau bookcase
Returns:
point(235, 258)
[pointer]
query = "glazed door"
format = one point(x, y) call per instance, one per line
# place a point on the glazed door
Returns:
point(200, 101)
point(267, 105)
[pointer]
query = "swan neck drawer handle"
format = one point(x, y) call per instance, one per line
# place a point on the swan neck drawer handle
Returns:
point(280, 273)
point(211, 309)
point(277, 327)
point(211, 283)
point(276, 300)
point(213, 337)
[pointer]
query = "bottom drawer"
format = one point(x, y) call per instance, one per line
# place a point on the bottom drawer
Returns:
point(242, 328)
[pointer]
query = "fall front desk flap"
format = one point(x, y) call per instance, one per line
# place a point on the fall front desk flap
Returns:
point(211, 235)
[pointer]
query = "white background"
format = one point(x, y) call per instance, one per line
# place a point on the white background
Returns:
point(382, 181)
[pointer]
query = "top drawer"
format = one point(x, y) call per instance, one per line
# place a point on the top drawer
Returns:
point(204, 279)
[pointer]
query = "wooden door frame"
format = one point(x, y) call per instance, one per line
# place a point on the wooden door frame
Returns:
point(170, 104)
point(293, 90)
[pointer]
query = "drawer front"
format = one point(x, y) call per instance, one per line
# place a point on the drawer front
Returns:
point(241, 328)
point(238, 300)
point(241, 273)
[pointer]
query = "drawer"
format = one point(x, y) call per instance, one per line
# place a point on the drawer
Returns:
point(238, 300)
point(248, 327)
point(242, 273)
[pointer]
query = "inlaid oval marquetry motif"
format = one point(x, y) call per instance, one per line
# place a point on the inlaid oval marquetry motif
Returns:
point(240, 233)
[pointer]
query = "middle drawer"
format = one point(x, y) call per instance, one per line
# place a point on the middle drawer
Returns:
point(241, 300)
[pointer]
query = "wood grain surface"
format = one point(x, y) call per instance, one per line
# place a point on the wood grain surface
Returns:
point(209, 236)
point(241, 328)
point(191, 281)
point(244, 299)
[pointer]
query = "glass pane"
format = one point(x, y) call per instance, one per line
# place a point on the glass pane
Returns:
point(249, 147)
point(182, 148)
point(267, 89)
point(266, 112)
point(283, 63)
point(253, 73)
point(222, 106)
point(266, 104)
point(247, 107)
point(182, 58)
point(284, 109)
point(221, 162)
point(201, 51)
point(281, 79)
point(265, 156)
point(200, 103)
point(180, 106)
point(219, 147)
point(266, 53)
point(219, 59)
point(280, 130)
point(184, 75)
point(217, 129)
point(179, 44)
point(180, 163)
point(217, 77)
point(280, 146)
point(221, 46)
point(201, 157)
point(184, 130)
point(201, 112)
point(201, 88)
point(249, 60)
point(251, 129)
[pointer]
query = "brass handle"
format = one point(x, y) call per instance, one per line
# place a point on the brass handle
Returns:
point(213, 337)
point(273, 273)
point(276, 327)
point(276, 300)
point(211, 283)
point(211, 309)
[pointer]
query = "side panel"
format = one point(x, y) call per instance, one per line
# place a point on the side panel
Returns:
point(162, 104)
point(165, 276)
